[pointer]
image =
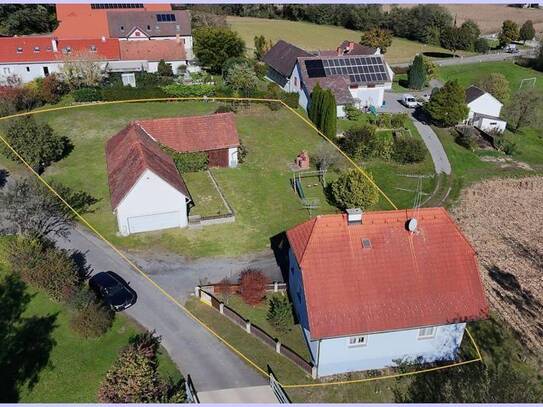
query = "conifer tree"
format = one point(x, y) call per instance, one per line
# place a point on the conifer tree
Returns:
point(417, 73)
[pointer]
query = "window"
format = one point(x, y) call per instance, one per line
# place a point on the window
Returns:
point(7, 71)
point(19, 50)
point(27, 69)
point(295, 82)
point(92, 48)
point(148, 27)
point(427, 333)
point(122, 27)
point(36, 49)
point(366, 243)
point(356, 341)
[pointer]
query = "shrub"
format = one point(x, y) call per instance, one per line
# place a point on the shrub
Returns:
point(397, 120)
point(481, 45)
point(353, 113)
point(180, 90)
point(466, 137)
point(52, 89)
point(226, 109)
point(45, 267)
point(242, 152)
point(190, 162)
point(408, 150)
point(223, 289)
point(353, 190)
point(252, 286)
point(261, 69)
point(358, 141)
point(164, 69)
point(383, 120)
point(91, 318)
point(280, 313)
point(291, 99)
point(18, 98)
point(86, 95)
point(127, 93)
point(504, 144)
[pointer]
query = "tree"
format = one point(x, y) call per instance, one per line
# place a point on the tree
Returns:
point(451, 39)
point(134, 376)
point(328, 119)
point(224, 289)
point(358, 142)
point(408, 150)
point(241, 78)
point(527, 31)
point(164, 69)
point(19, 19)
point(497, 85)
point(469, 31)
point(314, 106)
point(261, 46)
point(447, 106)
point(481, 45)
point(252, 286)
point(325, 156)
point(32, 210)
point(35, 142)
point(353, 190)
point(52, 89)
point(214, 45)
point(82, 69)
point(417, 73)
point(280, 313)
point(509, 32)
point(377, 38)
point(523, 109)
point(91, 318)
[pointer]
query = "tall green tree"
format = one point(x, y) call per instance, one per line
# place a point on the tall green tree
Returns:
point(377, 38)
point(508, 33)
point(262, 45)
point(417, 73)
point(469, 31)
point(24, 19)
point(214, 45)
point(242, 79)
point(527, 31)
point(447, 106)
point(315, 104)
point(164, 69)
point(497, 85)
point(353, 190)
point(328, 123)
point(523, 109)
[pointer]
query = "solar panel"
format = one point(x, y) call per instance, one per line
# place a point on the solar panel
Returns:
point(358, 69)
point(315, 68)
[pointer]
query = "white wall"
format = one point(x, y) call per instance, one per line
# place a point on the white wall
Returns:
point(153, 66)
point(486, 104)
point(382, 349)
point(486, 124)
point(369, 96)
point(28, 72)
point(150, 195)
point(233, 157)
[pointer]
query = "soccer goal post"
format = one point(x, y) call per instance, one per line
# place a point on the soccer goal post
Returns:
point(528, 83)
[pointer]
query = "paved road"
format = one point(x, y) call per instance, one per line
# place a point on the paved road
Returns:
point(211, 365)
point(430, 138)
point(494, 57)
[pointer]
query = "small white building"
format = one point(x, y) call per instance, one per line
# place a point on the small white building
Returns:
point(484, 110)
point(147, 191)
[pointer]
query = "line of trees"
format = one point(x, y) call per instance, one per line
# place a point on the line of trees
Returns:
point(323, 111)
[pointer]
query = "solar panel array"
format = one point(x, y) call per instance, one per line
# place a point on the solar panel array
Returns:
point(357, 68)
point(162, 18)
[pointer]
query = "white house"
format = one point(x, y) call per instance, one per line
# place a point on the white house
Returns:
point(484, 110)
point(373, 288)
point(147, 192)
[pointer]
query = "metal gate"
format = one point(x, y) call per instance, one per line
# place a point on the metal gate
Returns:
point(192, 396)
point(277, 389)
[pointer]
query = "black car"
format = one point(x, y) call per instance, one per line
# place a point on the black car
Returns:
point(113, 290)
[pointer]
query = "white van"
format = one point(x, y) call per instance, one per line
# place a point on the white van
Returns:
point(409, 100)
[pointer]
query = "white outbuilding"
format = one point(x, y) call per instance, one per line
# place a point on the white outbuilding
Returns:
point(484, 110)
point(147, 191)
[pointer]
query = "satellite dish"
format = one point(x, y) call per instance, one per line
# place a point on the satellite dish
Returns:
point(412, 225)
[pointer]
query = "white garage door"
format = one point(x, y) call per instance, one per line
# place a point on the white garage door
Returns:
point(157, 221)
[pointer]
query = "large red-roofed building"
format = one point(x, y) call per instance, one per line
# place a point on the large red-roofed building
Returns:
point(368, 290)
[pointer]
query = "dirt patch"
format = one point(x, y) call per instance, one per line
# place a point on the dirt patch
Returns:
point(506, 162)
point(504, 221)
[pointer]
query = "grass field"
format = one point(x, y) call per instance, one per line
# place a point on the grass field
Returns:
point(76, 365)
point(206, 198)
point(320, 37)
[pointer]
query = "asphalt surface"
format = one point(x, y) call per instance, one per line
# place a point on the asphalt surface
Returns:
point(430, 138)
point(493, 57)
point(194, 350)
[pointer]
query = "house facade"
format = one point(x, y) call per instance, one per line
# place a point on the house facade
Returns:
point(484, 110)
point(281, 60)
point(368, 292)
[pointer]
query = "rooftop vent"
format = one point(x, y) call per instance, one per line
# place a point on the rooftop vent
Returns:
point(354, 216)
point(366, 243)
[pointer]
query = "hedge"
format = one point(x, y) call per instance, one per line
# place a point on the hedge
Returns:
point(180, 90)
point(190, 162)
point(127, 93)
point(87, 95)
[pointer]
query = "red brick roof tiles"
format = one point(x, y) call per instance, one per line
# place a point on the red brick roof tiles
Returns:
point(128, 154)
point(168, 50)
point(403, 281)
point(195, 133)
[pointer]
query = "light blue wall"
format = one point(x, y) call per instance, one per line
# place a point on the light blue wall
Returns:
point(333, 355)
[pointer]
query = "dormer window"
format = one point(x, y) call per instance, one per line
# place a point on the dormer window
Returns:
point(67, 50)
point(177, 28)
point(92, 48)
point(122, 27)
point(19, 50)
point(36, 49)
point(148, 27)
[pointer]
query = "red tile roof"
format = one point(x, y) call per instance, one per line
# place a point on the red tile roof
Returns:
point(168, 50)
point(32, 48)
point(403, 281)
point(195, 133)
point(128, 154)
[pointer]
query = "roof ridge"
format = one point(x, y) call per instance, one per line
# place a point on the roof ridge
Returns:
point(315, 219)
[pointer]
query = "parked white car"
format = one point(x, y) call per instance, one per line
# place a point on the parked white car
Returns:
point(409, 100)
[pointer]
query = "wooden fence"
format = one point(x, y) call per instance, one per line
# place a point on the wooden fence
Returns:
point(275, 287)
point(207, 298)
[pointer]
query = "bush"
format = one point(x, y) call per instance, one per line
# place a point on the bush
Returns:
point(252, 286)
point(466, 137)
point(127, 93)
point(190, 162)
point(226, 109)
point(358, 142)
point(91, 318)
point(397, 120)
point(291, 99)
point(17, 98)
point(52, 89)
point(87, 95)
point(408, 150)
point(45, 267)
point(481, 45)
point(353, 190)
point(164, 69)
point(261, 69)
point(353, 113)
point(280, 313)
point(242, 152)
point(180, 90)
point(504, 144)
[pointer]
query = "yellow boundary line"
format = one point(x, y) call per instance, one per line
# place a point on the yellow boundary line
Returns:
point(164, 292)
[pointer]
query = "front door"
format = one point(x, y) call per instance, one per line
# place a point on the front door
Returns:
point(46, 70)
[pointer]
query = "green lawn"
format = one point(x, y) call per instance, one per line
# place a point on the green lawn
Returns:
point(469, 74)
point(320, 37)
point(76, 365)
point(257, 314)
point(206, 198)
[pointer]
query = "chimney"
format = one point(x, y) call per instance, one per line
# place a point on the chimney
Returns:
point(354, 216)
point(339, 51)
point(54, 46)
